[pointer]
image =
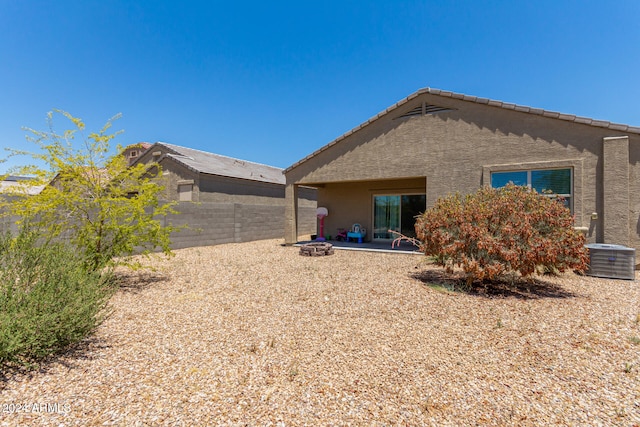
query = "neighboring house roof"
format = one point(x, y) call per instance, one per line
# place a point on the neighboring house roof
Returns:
point(133, 151)
point(475, 99)
point(13, 183)
point(216, 164)
point(138, 145)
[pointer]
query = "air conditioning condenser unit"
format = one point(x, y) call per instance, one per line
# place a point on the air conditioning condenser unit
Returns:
point(611, 261)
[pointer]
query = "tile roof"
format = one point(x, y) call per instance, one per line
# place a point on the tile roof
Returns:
point(486, 101)
point(525, 109)
point(216, 164)
point(20, 184)
point(143, 145)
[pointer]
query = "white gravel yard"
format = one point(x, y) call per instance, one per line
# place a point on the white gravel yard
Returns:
point(254, 334)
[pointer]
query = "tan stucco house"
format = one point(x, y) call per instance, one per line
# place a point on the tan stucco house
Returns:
point(222, 199)
point(397, 164)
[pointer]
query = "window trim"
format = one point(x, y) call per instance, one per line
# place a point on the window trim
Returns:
point(576, 178)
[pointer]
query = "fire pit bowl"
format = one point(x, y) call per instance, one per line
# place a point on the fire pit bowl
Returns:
point(316, 249)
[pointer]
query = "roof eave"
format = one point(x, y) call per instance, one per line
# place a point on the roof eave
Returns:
point(357, 128)
point(197, 171)
point(468, 98)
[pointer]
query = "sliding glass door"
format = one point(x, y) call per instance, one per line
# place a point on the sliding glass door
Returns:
point(386, 215)
point(396, 212)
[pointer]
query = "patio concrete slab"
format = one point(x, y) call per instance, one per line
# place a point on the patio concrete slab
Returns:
point(384, 246)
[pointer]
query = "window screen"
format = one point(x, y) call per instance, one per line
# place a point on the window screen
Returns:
point(555, 182)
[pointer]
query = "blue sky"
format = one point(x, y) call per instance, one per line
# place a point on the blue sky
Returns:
point(273, 81)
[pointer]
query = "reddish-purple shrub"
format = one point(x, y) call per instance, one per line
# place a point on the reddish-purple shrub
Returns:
point(498, 231)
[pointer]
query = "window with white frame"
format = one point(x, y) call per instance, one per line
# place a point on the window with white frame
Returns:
point(550, 182)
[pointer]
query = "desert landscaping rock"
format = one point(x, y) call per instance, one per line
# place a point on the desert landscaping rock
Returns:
point(254, 334)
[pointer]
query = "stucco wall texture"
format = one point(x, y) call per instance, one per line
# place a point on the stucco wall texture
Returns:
point(456, 151)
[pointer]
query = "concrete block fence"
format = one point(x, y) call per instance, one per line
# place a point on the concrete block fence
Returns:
point(218, 223)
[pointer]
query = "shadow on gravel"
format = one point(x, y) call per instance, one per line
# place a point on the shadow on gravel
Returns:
point(90, 347)
point(534, 288)
point(136, 281)
point(87, 349)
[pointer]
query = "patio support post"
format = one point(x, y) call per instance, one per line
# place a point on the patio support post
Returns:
point(291, 214)
point(615, 177)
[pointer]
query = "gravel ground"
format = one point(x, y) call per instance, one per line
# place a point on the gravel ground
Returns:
point(254, 334)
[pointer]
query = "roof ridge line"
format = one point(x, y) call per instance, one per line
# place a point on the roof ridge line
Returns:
point(469, 98)
point(538, 111)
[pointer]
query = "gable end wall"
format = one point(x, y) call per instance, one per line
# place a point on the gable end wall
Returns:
point(457, 150)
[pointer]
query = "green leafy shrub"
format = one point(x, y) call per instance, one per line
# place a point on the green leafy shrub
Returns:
point(496, 231)
point(48, 300)
point(105, 208)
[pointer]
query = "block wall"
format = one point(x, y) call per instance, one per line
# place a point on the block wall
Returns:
point(218, 223)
